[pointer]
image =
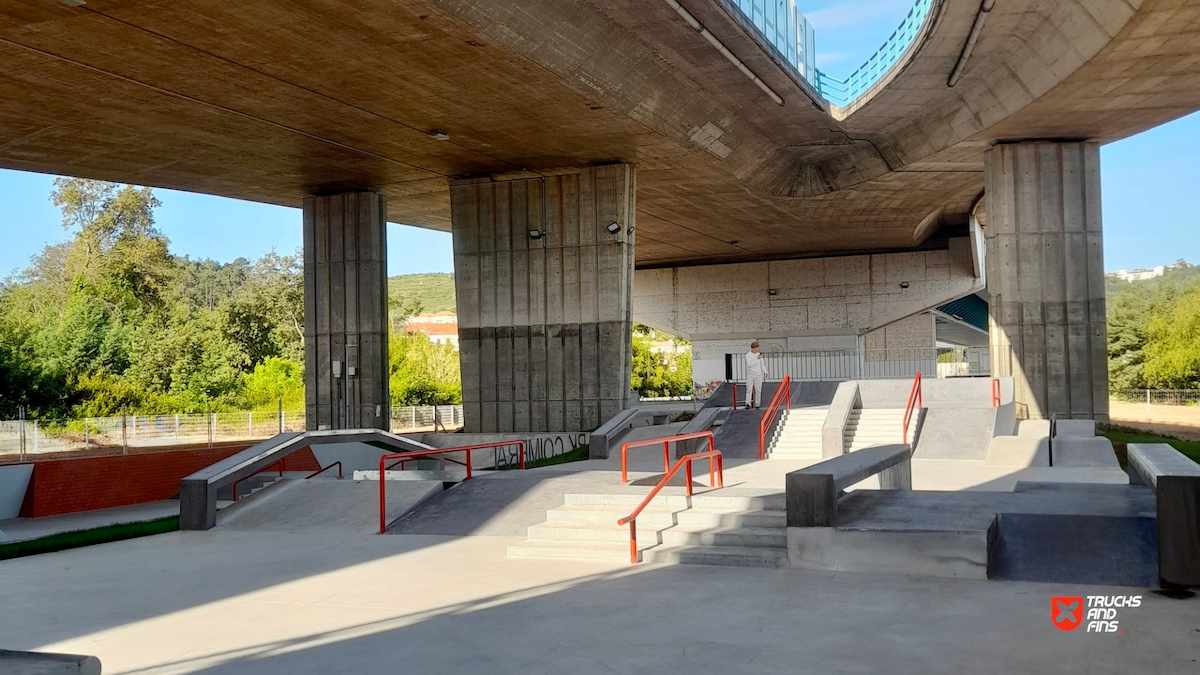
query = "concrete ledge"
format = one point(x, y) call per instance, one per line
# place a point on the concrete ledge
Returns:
point(1074, 451)
point(1018, 451)
point(703, 421)
point(833, 439)
point(1175, 480)
point(601, 438)
point(959, 555)
point(41, 663)
point(813, 492)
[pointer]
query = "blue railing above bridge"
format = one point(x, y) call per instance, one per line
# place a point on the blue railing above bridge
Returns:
point(782, 24)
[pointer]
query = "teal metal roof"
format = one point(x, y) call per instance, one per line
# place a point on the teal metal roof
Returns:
point(971, 309)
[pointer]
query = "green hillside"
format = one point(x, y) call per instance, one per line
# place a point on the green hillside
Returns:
point(435, 292)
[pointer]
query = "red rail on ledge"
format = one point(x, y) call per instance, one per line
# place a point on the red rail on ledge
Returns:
point(686, 460)
point(914, 396)
point(430, 453)
point(237, 482)
point(768, 417)
point(666, 443)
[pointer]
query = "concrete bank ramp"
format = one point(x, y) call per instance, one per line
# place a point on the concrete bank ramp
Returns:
point(324, 506)
point(956, 433)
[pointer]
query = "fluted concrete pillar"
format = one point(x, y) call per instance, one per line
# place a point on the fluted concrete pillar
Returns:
point(345, 312)
point(1045, 275)
point(544, 318)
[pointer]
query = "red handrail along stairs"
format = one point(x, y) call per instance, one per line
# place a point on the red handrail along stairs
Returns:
point(430, 453)
point(914, 396)
point(768, 418)
point(686, 461)
point(666, 443)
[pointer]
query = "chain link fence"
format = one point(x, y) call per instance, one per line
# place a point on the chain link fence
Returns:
point(25, 438)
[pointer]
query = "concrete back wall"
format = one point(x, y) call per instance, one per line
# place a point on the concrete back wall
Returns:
point(956, 392)
point(544, 324)
point(819, 303)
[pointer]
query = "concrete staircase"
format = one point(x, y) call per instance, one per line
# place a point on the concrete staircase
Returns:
point(743, 528)
point(875, 426)
point(798, 435)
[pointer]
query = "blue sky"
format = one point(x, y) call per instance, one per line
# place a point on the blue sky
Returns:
point(1150, 200)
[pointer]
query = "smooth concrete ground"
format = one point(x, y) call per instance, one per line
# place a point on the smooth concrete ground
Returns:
point(224, 602)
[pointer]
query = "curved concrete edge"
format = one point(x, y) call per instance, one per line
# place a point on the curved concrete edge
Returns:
point(833, 432)
point(45, 663)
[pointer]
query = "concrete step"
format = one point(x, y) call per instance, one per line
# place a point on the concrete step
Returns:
point(751, 537)
point(719, 500)
point(734, 556)
point(653, 517)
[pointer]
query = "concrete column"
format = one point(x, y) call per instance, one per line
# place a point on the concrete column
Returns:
point(1045, 274)
point(345, 308)
point(544, 321)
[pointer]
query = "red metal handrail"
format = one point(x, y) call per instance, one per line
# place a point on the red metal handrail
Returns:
point(995, 393)
point(914, 396)
point(768, 417)
point(321, 471)
point(686, 460)
point(437, 451)
point(666, 443)
point(237, 482)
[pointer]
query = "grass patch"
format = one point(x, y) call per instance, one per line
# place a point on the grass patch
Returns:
point(577, 455)
point(99, 535)
point(1125, 435)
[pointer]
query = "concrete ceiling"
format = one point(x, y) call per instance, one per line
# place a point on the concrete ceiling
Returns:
point(272, 100)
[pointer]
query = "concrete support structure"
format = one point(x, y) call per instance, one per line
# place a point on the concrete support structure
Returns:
point(1045, 270)
point(345, 307)
point(544, 292)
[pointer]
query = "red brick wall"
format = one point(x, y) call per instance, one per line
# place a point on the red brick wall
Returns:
point(89, 483)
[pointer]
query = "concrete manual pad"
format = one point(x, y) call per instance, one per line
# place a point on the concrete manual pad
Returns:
point(1084, 452)
point(324, 506)
point(1074, 429)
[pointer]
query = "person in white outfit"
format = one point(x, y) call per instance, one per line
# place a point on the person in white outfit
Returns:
point(756, 372)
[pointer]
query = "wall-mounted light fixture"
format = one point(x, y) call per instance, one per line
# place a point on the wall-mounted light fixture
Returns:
point(614, 227)
point(535, 234)
point(439, 134)
point(73, 3)
point(903, 284)
point(773, 292)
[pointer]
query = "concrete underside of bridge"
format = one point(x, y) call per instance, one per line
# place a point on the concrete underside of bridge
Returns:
point(279, 100)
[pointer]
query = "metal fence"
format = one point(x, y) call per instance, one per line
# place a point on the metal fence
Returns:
point(1159, 396)
point(863, 364)
point(24, 438)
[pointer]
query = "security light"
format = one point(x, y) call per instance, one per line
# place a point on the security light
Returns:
point(535, 234)
point(439, 135)
point(614, 227)
point(903, 284)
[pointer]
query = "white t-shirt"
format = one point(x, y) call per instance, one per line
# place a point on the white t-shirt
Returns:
point(755, 366)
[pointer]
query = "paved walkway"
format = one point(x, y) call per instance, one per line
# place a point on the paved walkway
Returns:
point(22, 529)
point(232, 602)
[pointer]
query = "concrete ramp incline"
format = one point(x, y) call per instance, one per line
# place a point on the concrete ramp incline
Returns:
point(956, 433)
point(198, 492)
point(325, 506)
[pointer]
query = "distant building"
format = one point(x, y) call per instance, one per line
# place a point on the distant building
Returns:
point(1141, 274)
point(440, 328)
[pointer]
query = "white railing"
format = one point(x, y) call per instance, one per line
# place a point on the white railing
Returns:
point(1159, 396)
point(865, 364)
point(119, 434)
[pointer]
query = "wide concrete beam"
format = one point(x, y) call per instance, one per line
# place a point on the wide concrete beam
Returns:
point(1176, 483)
point(345, 308)
point(813, 492)
point(544, 293)
point(1045, 274)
